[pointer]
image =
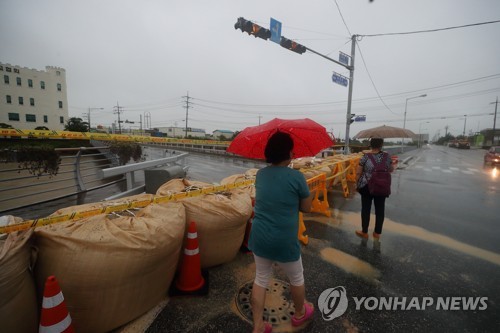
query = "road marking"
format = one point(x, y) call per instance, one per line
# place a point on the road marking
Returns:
point(468, 172)
point(473, 169)
point(447, 171)
point(436, 167)
point(454, 168)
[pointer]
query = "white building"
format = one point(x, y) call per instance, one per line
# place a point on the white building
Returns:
point(30, 98)
point(225, 133)
point(180, 132)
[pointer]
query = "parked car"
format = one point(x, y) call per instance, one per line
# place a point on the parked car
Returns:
point(492, 156)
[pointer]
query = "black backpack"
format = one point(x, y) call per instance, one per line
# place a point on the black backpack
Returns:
point(380, 181)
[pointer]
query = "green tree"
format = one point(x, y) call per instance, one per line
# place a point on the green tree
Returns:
point(4, 125)
point(76, 125)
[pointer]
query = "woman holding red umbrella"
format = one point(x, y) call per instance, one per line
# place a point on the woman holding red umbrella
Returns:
point(281, 192)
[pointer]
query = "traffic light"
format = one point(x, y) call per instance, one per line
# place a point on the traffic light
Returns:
point(252, 28)
point(292, 46)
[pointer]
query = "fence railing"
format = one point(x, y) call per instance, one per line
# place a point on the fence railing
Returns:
point(77, 174)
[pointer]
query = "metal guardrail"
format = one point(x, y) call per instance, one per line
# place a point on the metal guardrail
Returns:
point(77, 174)
point(130, 169)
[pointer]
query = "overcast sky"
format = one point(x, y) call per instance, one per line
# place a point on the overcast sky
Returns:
point(146, 55)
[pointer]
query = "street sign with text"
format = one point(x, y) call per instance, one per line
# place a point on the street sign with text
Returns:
point(339, 79)
point(275, 28)
point(344, 58)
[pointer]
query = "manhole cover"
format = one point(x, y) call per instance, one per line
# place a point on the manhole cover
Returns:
point(277, 310)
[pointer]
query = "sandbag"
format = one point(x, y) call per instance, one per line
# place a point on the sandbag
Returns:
point(180, 185)
point(18, 302)
point(221, 221)
point(112, 269)
point(102, 204)
point(250, 189)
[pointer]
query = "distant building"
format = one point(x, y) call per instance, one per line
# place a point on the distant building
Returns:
point(180, 132)
point(30, 98)
point(225, 133)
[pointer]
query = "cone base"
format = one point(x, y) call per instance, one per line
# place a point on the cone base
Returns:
point(203, 290)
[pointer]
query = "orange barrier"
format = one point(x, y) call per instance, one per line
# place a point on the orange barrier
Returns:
point(54, 316)
point(190, 278)
point(317, 185)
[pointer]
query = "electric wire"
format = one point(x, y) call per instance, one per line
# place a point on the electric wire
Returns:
point(431, 30)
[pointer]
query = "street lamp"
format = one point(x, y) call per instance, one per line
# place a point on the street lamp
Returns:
point(420, 131)
point(404, 122)
point(90, 109)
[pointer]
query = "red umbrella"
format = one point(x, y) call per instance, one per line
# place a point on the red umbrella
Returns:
point(308, 136)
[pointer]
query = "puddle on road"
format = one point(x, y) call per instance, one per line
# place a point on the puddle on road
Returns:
point(351, 264)
point(351, 221)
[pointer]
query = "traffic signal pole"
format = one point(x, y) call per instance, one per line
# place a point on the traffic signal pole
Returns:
point(349, 97)
point(258, 31)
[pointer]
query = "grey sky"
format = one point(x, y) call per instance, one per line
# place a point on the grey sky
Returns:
point(146, 55)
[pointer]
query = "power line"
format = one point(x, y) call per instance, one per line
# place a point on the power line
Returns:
point(430, 30)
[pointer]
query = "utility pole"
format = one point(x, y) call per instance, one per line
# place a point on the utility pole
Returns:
point(446, 130)
point(494, 122)
point(259, 118)
point(465, 123)
point(187, 112)
point(117, 110)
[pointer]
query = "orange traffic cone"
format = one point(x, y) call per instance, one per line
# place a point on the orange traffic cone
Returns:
point(244, 247)
point(190, 279)
point(54, 317)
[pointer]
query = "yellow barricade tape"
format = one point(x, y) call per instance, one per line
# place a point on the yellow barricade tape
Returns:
point(48, 134)
point(121, 206)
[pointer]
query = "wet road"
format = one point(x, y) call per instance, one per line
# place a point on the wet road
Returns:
point(440, 241)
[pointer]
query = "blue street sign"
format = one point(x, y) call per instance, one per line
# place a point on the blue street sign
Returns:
point(275, 30)
point(344, 58)
point(360, 118)
point(339, 79)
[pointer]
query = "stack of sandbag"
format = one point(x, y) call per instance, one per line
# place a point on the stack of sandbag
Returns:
point(18, 302)
point(112, 268)
point(180, 185)
point(220, 220)
point(311, 166)
point(248, 175)
point(102, 204)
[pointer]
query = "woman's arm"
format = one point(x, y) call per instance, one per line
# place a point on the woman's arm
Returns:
point(306, 203)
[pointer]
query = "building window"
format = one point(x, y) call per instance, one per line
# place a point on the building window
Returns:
point(30, 83)
point(32, 101)
point(16, 70)
point(31, 118)
point(21, 100)
point(58, 87)
point(45, 119)
point(58, 73)
point(60, 105)
point(42, 85)
point(6, 79)
point(9, 99)
point(1, 68)
point(18, 80)
point(61, 120)
point(14, 116)
point(8, 69)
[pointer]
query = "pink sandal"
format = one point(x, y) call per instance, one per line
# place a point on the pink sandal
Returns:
point(309, 309)
point(268, 328)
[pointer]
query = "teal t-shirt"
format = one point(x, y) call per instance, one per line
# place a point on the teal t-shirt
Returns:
point(275, 226)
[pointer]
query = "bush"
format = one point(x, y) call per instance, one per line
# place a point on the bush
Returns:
point(126, 151)
point(38, 160)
